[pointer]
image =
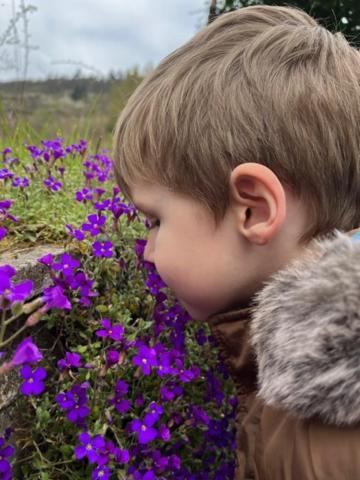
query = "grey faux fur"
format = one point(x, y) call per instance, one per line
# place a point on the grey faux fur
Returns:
point(306, 332)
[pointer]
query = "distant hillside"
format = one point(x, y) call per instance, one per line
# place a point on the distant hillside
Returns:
point(63, 106)
point(57, 86)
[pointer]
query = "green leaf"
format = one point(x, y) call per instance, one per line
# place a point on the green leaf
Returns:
point(17, 309)
point(102, 308)
point(66, 450)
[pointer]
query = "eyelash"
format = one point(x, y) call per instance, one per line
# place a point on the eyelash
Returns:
point(151, 224)
point(154, 224)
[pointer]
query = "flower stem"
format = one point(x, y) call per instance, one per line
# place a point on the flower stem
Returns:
point(3, 326)
point(10, 339)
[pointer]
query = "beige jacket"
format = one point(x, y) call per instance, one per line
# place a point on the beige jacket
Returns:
point(294, 354)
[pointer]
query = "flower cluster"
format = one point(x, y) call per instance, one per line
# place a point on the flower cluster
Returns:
point(130, 390)
point(11, 292)
point(75, 403)
point(6, 451)
point(5, 215)
point(67, 279)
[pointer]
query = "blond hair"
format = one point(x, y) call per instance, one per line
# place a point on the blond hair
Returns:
point(262, 84)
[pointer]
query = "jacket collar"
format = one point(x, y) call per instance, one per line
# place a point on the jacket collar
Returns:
point(305, 330)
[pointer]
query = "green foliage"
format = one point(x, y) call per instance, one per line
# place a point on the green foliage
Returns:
point(335, 15)
point(42, 219)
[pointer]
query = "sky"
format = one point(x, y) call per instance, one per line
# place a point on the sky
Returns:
point(96, 36)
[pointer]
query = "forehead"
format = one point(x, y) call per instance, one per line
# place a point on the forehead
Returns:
point(145, 194)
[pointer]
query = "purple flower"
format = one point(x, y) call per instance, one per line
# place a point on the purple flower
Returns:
point(121, 387)
point(155, 412)
point(66, 265)
point(54, 297)
point(101, 473)
point(140, 245)
point(144, 475)
point(33, 384)
point(102, 205)
point(140, 400)
point(164, 433)
point(168, 393)
point(83, 195)
point(121, 456)
point(145, 359)
point(214, 389)
point(99, 192)
point(3, 232)
point(71, 360)
point(26, 352)
point(52, 184)
point(122, 405)
point(95, 224)
point(47, 260)
point(144, 429)
point(189, 374)
point(200, 415)
point(201, 338)
point(75, 232)
point(19, 292)
point(160, 461)
point(116, 332)
point(6, 271)
point(112, 357)
point(6, 151)
point(74, 402)
point(20, 182)
point(164, 366)
point(5, 204)
point(5, 174)
point(90, 447)
point(84, 284)
point(174, 462)
point(5, 467)
point(13, 293)
point(103, 249)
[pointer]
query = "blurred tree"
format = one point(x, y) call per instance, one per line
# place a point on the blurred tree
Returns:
point(79, 92)
point(336, 15)
point(120, 92)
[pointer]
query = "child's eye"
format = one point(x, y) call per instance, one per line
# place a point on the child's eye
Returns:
point(154, 224)
point(150, 224)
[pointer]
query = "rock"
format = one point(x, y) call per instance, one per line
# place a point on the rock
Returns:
point(25, 262)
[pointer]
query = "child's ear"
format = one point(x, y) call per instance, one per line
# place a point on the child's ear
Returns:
point(259, 201)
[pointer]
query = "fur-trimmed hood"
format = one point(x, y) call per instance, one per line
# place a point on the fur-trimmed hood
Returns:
point(305, 329)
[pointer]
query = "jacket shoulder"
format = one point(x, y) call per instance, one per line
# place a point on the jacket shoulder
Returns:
point(306, 333)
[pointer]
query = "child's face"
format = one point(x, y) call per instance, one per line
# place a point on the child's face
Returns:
point(209, 269)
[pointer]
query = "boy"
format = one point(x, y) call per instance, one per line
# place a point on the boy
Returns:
point(243, 149)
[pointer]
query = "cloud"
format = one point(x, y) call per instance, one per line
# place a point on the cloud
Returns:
point(107, 34)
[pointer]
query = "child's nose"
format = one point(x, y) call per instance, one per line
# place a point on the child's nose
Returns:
point(149, 252)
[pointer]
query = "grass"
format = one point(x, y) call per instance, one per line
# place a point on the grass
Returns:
point(42, 213)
